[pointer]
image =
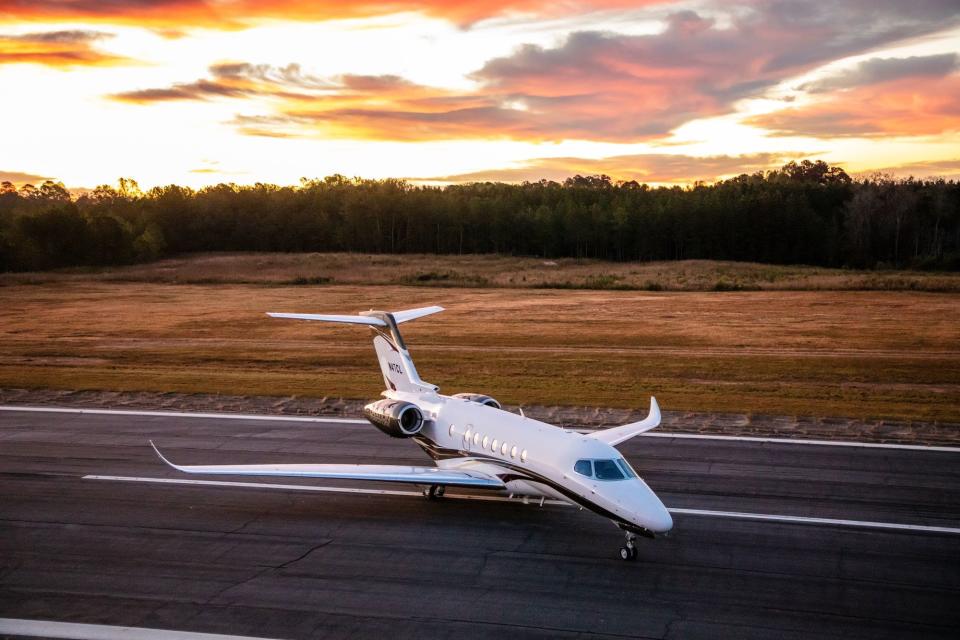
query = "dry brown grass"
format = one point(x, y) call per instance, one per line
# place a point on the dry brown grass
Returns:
point(859, 354)
point(497, 271)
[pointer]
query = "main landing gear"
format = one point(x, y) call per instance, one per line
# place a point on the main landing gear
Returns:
point(629, 550)
point(434, 491)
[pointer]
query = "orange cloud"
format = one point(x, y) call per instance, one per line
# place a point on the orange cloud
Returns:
point(656, 168)
point(946, 169)
point(242, 13)
point(904, 107)
point(592, 86)
point(21, 178)
point(56, 49)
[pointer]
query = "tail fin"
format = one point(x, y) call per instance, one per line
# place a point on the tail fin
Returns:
point(399, 374)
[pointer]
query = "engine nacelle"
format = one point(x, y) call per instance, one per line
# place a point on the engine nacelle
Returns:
point(479, 398)
point(395, 418)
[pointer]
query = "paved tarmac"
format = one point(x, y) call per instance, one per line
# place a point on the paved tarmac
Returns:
point(301, 564)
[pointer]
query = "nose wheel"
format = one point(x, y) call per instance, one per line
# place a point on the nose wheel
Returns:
point(628, 551)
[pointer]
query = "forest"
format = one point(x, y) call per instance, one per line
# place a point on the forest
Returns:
point(804, 213)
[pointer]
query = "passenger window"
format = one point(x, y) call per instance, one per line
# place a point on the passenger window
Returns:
point(584, 468)
point(494, 445)
point(503, 449)
point(486, 441)
point(513, 451)
point(452, 428)
point(607, 470)
point(476, 438)
point(523, 456)
point(469, 432)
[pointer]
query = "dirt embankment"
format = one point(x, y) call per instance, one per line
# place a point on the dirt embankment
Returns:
point(802, 427)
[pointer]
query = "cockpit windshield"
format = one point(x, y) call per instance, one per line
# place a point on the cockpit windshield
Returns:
point(607, 470)
point(617, 469)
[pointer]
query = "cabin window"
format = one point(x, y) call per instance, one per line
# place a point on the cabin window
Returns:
point(486, 441)
point(452, 429)
point(476, 438)
point(584, 468)
point(523, 456)
point(503, 449)
point(494, 445)
point(627, 469)
point(607, 470)
point(513, 451)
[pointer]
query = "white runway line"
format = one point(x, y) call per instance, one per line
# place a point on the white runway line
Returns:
point(182, 414)
point(862, 524)
point(272, 418)
point(76, 631)
point(829, 443)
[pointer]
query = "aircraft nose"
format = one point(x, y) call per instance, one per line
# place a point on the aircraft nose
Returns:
point(660, 522)
point(650, 511)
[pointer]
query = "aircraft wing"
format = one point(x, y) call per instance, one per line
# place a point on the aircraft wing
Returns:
point(367, 472)
point(616, 435)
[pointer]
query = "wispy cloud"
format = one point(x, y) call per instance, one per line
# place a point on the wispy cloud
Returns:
point(237, 14)
point(20, 177)
point(876, 70)
point(57, 49)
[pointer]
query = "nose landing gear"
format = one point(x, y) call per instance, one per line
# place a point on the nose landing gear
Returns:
point(629, 550)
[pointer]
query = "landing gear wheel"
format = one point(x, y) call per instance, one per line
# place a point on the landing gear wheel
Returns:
point(629, 551)
point(434, 491)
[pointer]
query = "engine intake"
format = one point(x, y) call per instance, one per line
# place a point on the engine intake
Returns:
point(395, 418)
point(479, 398)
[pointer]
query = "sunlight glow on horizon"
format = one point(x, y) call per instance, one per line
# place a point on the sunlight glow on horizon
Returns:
point(413, 95)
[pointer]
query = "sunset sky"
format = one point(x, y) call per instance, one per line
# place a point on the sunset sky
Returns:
point(197, 92)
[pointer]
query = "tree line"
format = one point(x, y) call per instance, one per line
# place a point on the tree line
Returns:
point(804, 213)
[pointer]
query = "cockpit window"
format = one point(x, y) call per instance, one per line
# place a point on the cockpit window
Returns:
point(627, 469)
point(607, 470)
point(584, 468)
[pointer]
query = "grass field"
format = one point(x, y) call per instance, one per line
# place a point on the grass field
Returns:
point(498, 272)
point(825, 353)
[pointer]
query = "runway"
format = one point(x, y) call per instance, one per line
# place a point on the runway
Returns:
point(298, 563)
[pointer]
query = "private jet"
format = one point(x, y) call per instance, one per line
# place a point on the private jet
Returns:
point(476, 444)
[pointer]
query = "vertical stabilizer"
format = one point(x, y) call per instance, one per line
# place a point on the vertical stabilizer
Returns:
point(397, 368)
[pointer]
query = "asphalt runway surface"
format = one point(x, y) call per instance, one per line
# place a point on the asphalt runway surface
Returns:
point(284, 563)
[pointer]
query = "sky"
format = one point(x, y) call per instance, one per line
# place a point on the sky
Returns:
point(199, 92)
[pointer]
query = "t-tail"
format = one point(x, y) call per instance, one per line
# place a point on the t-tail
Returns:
point(399, 374)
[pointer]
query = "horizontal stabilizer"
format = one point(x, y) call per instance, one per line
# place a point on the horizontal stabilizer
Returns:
point(616, 435)
point(362, 472)
point(376, 322)
point(413, 314)
point(372, 320)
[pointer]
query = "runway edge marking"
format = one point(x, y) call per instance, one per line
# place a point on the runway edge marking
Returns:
point(182, 414)
point(272, 418)
point(78, 631)
point(861, 524)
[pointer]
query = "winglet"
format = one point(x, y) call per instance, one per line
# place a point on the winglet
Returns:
point(616, 435)
point(160, 455)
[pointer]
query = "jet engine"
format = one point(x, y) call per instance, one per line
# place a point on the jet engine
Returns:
point(395, 418)
point(479, 398)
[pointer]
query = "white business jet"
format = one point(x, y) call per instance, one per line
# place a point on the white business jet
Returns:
point(476, 444)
